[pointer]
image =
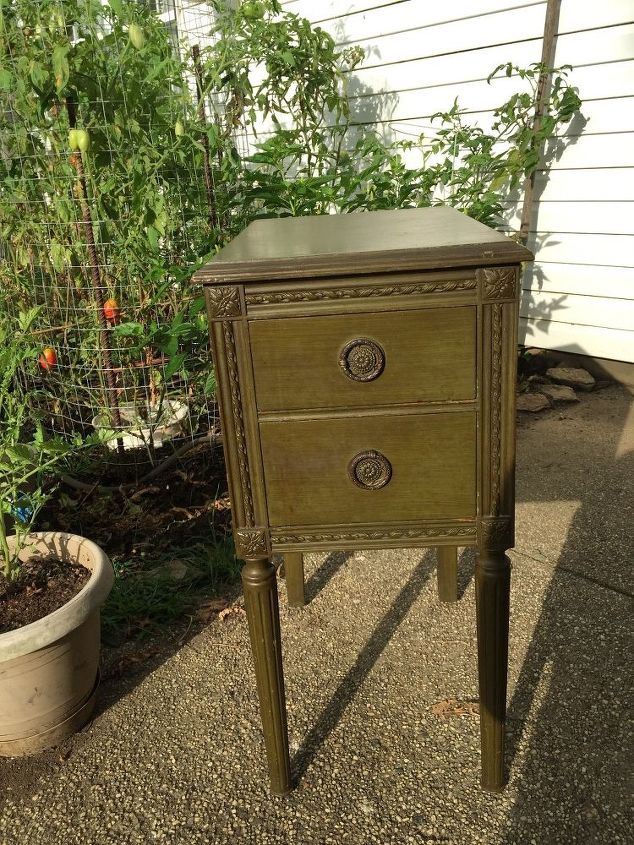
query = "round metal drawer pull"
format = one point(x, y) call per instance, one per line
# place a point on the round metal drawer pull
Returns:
point(370, 470)
point(362, 359)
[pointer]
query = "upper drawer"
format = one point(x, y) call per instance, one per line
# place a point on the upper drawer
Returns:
point(364, 360)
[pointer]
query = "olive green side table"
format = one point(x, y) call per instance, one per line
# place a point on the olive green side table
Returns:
point(366, 369)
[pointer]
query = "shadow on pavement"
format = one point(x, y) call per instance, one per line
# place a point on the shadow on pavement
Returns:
point(572, 739)
point(328, 569)
point(349, 686)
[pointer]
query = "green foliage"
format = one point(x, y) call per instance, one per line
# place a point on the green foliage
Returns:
point(27, 457)
point(104, 80)
point(275, 65)
point(126, 100)
point(309, 163)
point(146, 595)
point(102, 85)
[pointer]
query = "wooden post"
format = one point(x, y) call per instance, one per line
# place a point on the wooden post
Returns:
point(543, 88)
point(112, 400)
point(202, 116)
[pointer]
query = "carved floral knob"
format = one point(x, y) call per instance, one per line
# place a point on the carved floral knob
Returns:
point(370, 470)
point(362, 359)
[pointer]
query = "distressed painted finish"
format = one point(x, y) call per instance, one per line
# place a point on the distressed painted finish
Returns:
point(367, 401)
point(376, 242)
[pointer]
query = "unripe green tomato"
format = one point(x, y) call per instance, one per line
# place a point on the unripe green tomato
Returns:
point(136, 35)
point(179, 129)
point(72, 139)
point(83, 140)
point(253, 10)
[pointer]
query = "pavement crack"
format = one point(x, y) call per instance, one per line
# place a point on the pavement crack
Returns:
point(558, 567)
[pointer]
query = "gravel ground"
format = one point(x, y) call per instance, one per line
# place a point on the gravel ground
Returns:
point(176, 756)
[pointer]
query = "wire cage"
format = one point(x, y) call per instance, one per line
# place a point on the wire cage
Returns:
point(109, 200)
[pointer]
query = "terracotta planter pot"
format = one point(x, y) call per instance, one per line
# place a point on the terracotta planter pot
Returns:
point(49, 669)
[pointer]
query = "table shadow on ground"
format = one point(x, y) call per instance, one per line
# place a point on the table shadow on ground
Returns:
point(567, 748)
point(347, 690)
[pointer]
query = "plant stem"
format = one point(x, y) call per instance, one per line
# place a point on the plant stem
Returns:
point(111, 392)
point(202, 116)
point(7, 561)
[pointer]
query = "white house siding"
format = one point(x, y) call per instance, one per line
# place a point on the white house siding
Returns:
point(189, 21)
point(579, 295)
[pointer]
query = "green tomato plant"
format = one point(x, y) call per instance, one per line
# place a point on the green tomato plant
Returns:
point(121, 172)
point(28, 458)
point(273, 64)
point(101, 196)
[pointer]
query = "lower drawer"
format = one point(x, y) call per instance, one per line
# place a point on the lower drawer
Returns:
point(372, 469)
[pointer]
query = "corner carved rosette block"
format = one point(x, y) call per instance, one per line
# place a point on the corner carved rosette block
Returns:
point(251, 543)
point(224, 301)
point(497, 282)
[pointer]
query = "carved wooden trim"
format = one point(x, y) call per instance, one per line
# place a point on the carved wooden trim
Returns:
point(317, 295)
point(238, 422)
point(496, 406)
point(224, 301)
point(496, 533)
point(497, 282)
point(251, 543)
point(344, 535)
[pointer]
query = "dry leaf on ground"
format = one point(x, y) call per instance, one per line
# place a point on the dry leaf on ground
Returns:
point(223, 503)
point(456, 707)
point(132, 661)
point(234, 610)
point(210, 608)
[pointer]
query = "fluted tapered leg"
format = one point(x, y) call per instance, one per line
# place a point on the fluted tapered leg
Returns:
point(294, 570)
point(492, 584)
point(447, 573)
point(260, 595)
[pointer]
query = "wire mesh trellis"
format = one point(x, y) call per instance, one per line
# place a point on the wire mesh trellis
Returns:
point(109, 199)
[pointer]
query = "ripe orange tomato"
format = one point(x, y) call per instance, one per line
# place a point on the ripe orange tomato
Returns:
point(48, 358)
point(111, 311)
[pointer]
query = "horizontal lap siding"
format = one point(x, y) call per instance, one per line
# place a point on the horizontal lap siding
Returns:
point(579, 295)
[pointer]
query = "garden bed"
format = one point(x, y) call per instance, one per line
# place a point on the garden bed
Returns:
point(169, 539)
point(166, 511)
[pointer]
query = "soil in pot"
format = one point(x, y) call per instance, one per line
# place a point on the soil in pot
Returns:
point(43, 585)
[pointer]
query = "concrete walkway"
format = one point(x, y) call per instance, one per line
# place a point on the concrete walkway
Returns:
point(175, 756)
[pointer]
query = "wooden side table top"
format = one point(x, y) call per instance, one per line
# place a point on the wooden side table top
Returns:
point(366, 381)
point(351, 244)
